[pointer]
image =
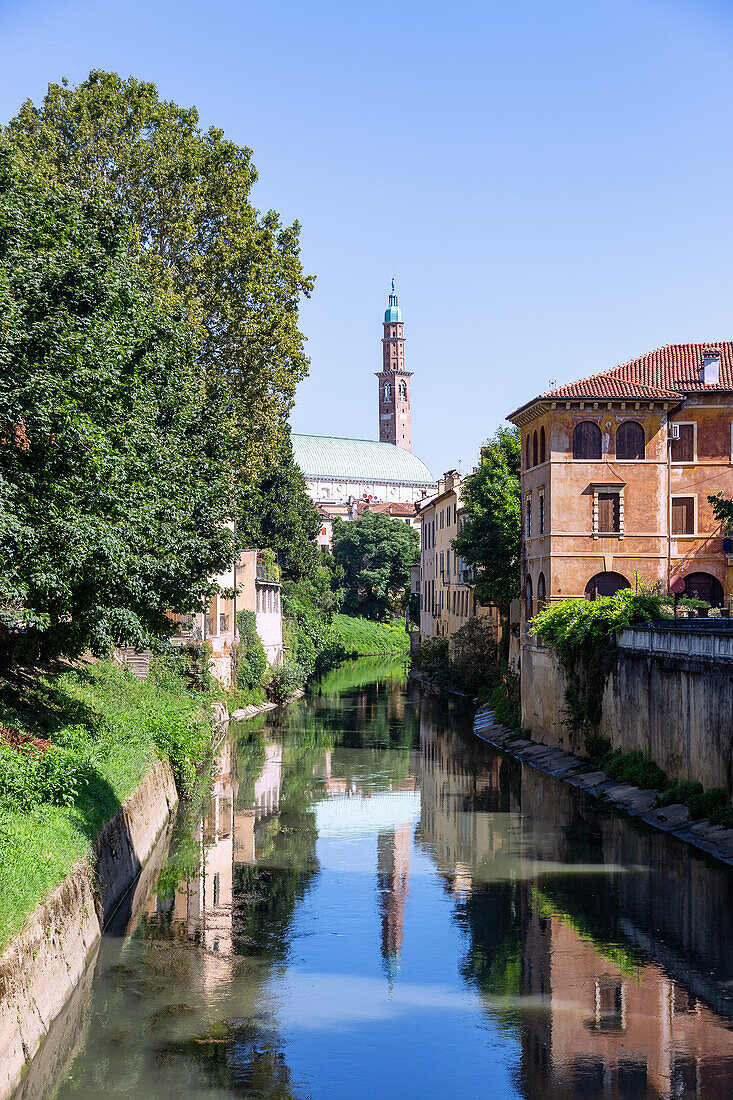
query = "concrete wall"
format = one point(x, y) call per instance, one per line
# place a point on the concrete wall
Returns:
point(43, 965)
point(676, 708)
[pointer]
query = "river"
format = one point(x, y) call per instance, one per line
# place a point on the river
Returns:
point(376, 904)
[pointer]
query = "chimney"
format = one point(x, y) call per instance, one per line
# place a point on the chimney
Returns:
point(710, 372)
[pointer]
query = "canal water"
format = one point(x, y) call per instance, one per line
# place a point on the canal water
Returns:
point(375, 904)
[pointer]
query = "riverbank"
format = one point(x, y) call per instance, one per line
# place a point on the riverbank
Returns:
point(365, 638)
point(74, 744)
point(631, 800)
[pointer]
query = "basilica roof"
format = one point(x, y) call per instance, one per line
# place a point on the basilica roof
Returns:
point(326, 456)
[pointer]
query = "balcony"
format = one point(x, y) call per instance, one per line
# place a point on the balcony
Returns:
point(267, 568)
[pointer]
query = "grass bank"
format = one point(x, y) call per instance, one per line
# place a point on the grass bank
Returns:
point(364, 638)
point(74, 744)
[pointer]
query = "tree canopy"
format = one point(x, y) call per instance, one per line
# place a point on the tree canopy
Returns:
point(277, 513)
point(186, 193)
point(491, 539)
point(373, 555)
point(112, 489)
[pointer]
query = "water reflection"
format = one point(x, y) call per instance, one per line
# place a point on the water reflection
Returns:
point(375, 904)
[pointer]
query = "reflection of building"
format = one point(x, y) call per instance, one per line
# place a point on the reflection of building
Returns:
point(613, 1030)
point(393, 874)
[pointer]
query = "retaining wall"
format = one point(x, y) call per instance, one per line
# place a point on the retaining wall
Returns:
point(670, 695)
point(42, 966)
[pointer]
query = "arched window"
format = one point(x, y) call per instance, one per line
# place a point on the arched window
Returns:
point(630, 440)
point(387, 392)
point(586, 440)
point(403, 391)
point(541, 593)
point(605, 584)
point(534, 449)
point(542, 444)
point(528, 598)
point(527, 463)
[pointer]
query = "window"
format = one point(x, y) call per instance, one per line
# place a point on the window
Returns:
point(403, 391)
point(587, 440)
point(542, 445)
point(630, 440)
point(534, 449)
point(528, 516)
point(683, 515)
point(684, 448)
point(528, 597)
point(608, 510)
point(541, 512)
point(526, 454)
point(387, 392)
point(541, 592)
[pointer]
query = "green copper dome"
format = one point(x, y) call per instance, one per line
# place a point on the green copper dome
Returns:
point(393, 313)
point(325, 456)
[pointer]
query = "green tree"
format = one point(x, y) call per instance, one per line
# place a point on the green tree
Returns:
point(375, 553)
point(112, 496)
point(278, 514)
point(491, 539)
point(186, 193)
point(722, 511)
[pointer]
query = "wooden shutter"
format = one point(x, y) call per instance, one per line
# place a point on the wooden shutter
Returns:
point(683, 449)
point(587, 440)
point(630, 440)
point(608, 512)
point(683, 515)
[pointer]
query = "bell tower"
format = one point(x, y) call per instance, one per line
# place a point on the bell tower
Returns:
point(394, 380)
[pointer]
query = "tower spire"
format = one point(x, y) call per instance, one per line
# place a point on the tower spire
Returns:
point(394, 379)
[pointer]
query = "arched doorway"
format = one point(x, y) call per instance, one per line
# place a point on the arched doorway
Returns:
point(704, 586)
point(605, 584)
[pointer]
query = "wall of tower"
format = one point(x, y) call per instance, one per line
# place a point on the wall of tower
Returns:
point(395, 424)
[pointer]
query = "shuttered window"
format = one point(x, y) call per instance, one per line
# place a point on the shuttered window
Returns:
point(609, 513)
point(683, 515)
point(586, 440)
point(683, 449)
point(630, 440)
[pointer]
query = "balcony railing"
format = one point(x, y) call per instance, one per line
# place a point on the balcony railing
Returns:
point(267, 567)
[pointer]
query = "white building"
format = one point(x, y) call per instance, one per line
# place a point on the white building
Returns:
point(340, 470)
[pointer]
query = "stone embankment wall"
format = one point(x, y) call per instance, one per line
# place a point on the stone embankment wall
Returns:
point(670, 695)
point(43, 965)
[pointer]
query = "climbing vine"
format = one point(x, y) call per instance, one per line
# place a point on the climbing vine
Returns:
point(582, 634)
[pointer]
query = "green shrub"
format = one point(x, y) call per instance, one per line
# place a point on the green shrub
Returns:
point(475, 655)
point(284, 681)
point(634, 767)
point(712, 803)
point(249, 661)
point(433, 661)
point(361, 637)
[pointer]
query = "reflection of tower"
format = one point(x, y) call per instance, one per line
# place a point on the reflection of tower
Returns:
point(393, 874)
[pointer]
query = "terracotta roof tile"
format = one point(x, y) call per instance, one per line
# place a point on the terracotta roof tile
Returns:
point(667, 373)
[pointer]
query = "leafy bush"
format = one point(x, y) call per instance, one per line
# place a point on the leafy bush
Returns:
point(634, 767)
point(713, 803)
point(474, 653)
point(433, 661)
point(32, 776)
point(249, 662)
point(284, 681)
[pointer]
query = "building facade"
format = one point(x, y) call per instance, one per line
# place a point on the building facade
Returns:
point(616, 473)
point(447, 599)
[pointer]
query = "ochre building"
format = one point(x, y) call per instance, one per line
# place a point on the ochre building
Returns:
point(616, 473)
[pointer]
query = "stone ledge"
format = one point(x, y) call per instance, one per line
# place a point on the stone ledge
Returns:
point(633, 801)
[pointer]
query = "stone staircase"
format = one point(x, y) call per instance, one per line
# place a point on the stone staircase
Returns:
point(138, 662)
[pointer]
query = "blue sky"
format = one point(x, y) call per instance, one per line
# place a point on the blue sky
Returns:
point(551, 183)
